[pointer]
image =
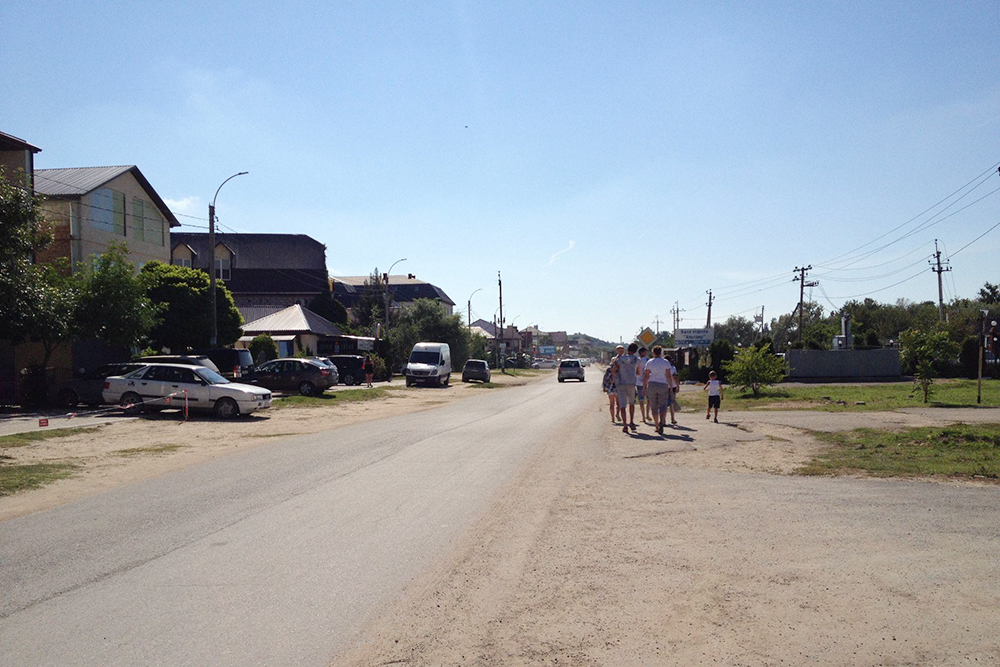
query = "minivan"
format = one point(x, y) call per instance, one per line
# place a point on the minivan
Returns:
point(429, 363)
point(233, 364)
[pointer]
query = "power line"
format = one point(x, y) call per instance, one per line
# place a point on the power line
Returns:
point(881, 289)
point(975, 239)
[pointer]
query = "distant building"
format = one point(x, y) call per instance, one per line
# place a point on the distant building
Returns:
point(265, 272)
point(296, 329)
point(405, 289)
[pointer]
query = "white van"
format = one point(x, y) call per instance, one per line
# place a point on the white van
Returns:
point(429, 363)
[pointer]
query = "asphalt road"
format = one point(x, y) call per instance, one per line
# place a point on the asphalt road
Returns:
point(275, 556)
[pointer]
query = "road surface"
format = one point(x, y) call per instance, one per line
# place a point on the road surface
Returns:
point(275, 556)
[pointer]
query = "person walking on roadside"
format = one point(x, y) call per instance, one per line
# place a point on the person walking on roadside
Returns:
point(369, 368)
point(658, 383)
point(624, 367)
point(609, 388)
point(640, 390)
point(714, 389)
point(675, 387)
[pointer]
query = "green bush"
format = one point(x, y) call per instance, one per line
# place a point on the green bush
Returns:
point(755, 368)
point(263, 348)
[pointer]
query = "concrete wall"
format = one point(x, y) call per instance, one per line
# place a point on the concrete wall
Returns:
point(844, 364)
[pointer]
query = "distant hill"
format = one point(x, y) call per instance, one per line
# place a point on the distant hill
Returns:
point(594, 340)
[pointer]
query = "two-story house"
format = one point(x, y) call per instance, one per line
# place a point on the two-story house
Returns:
point(404, 290)
point(90, 208)
point(265, 272)
point(17, 159)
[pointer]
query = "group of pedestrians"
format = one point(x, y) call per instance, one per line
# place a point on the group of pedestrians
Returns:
point(652, 381)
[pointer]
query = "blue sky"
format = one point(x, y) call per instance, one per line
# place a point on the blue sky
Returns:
point(609, 158)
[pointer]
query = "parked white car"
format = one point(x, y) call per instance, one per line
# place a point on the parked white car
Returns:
point(157, 386)
point(544, 363)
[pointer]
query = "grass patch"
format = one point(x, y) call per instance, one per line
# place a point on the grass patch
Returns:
point(961, 450)
point(841, 398)
point(155, 449)
point(489, 385)
point(330, 398)
point(22, 439)
point(16, 478)
point(526, 372)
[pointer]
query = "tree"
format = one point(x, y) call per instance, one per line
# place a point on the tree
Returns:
point(371, 301)
point(719, 352)
point(184, 306)
point(112, 305)
point(263, 348)
point(327, 307)
point(924, 352)
point(427, 321)
point(478, 346)
point(990, 293)
point(739, 331)
point(755, 368)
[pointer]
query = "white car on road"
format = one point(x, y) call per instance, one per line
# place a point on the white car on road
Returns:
point(157, 386)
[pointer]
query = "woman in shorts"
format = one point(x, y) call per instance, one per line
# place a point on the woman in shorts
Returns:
point(659, 383)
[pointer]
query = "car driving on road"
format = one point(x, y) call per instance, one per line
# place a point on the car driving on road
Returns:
point(571, 369)
point(157, 386)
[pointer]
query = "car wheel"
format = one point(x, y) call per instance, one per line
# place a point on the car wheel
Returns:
point(226, 408)
point(68, 398)
point(409, 382)
point(131, 402)
point(465, 379)
point(306, 388)
point(349, 379)
point(561, 380)
point(446, 380)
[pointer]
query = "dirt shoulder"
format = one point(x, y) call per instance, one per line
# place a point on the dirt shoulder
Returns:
point(115, 451)
point(614, 549)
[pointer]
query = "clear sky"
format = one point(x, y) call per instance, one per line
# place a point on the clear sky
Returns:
point(608, 158)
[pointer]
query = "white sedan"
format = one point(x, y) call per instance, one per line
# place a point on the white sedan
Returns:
point(157, 386)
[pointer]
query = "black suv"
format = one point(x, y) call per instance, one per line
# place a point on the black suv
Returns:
point(350, 367)
point(233, 364)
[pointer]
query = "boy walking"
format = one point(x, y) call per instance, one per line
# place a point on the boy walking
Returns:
point(714, 389)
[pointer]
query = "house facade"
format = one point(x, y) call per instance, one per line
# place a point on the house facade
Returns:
point(265, 272)
point(17, 159)
point(91, 208)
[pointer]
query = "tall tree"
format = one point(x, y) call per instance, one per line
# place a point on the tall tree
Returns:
point(739, 331)
point(112, 305)
point(184, 308)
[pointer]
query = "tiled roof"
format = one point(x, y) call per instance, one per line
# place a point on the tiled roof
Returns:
point(292, 320)
point(78, 181)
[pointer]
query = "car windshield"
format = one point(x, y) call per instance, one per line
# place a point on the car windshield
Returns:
point(210, 376)
point(570, 364)
point(424, 357)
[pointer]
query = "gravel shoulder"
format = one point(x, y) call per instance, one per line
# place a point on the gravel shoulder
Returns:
point(687, 550)
point(117, 450)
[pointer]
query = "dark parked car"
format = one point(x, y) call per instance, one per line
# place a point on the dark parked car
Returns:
point(87, 388)
point(349, 367)
point(305, 376)
point(183, 359)
point(476, 369)
point(232, 364)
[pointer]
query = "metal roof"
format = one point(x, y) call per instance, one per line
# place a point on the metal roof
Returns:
point(8, 142)
point(78, 181)
point(405, 287)
point(261, 251)
point(294, 319)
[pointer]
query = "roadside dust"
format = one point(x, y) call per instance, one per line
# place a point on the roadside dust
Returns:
point(614, 549)
point(123, 451)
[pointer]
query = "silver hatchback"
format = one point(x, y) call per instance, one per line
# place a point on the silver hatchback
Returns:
point(571, 369)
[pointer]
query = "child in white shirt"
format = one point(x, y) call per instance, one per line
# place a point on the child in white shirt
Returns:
point(714, 388)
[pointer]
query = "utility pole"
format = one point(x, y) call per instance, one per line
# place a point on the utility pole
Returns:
point(762, 321)
point(657, 320)
point(214, 339)
point(803, 284)
point(676, 313)
point(468, 320)
point(982, 345)
point(503, 361)
point(938, 269)
point(708, 320)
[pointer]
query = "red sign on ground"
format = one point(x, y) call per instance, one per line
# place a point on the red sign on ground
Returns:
point(43, 422)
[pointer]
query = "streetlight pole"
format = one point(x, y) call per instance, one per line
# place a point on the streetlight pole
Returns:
point(469, 320)
point(387, 295)
point(211, 267)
